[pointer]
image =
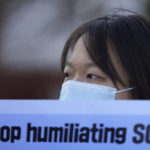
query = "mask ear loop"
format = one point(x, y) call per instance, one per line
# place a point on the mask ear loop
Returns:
point(124, 90)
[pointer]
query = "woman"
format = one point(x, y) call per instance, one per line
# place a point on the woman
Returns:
point(108, 58)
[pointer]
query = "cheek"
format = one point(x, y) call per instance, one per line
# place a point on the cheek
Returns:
point(124, 95)
point(107, 82)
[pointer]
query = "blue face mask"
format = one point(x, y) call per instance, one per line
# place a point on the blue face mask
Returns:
point(74, 90)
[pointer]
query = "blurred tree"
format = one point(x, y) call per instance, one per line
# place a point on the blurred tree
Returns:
point(24, 85)
point(6, 8)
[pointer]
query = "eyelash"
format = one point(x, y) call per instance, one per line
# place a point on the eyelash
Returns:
point(66, 75)
point(90, 76)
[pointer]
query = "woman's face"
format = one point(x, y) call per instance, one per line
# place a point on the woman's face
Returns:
point(79, 67)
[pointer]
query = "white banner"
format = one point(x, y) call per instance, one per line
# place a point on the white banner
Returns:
point(56, 125)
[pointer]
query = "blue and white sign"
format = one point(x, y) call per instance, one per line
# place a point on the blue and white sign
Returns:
point(60, 125)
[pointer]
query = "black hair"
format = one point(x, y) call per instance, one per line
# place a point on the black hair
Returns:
point(130, 37)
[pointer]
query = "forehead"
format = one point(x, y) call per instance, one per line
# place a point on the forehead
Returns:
point(79, 54)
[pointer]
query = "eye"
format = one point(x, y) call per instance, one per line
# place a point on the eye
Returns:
point(92, 76)
point(66, 75)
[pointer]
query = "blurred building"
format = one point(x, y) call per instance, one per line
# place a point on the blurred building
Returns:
point(32, 37)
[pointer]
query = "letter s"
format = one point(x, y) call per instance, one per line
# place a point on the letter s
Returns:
point(137, 130)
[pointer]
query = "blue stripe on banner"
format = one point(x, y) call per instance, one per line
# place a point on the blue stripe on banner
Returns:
point(28, 131)
point(74, 132)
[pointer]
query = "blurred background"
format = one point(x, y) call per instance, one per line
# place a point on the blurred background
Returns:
point(32, 36)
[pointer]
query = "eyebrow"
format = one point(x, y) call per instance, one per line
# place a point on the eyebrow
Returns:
point(69, 64)
point(87, 65)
